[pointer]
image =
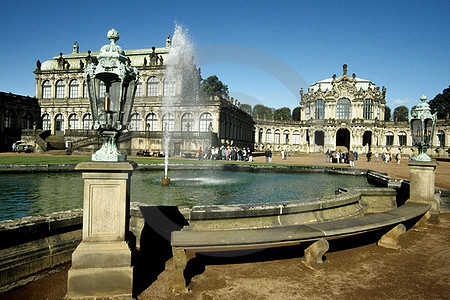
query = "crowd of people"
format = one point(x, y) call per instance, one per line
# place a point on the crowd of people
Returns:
point(225, 153)
point(350, 157)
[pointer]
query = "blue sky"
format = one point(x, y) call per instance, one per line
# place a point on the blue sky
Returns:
point(265, 51)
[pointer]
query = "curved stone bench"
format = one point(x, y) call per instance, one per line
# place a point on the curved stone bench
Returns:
point(189, 240)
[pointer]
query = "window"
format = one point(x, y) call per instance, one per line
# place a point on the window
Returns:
point(73, 121)
point(343, 109)
point(286, 137)
point(169, 88)
point(307, 112)
point(139, 89)
point(152, 86)
point(46, 123)
point(187, 122)
point(46, 90)
point(168, 122)
point(296, 137)
point(440, 138)
point(269, 136)
point(389, 138)
point(205, 122)
point(10, 119)
point(60, 89)
point(85, 90)
point(320, 109)
point(260, 135)
point(87, 121)
point(59, 123)
point(27, 121)
point(402, 138)
point(152, 122)
point(276, 137)
point(368, 109)
point(135, 123)
point(73, 89)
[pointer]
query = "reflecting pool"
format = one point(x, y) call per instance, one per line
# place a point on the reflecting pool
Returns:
point(31, 194)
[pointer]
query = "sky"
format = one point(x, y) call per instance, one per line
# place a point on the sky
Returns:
point(265, 51)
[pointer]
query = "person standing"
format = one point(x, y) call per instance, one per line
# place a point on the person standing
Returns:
point(398, 157)
point(351, 159)
point(200, 153)
point(376, 156)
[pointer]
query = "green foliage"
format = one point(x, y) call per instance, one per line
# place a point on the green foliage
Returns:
point(401, 114)
point(387, 113)
point(212, 86)
point(247, 108)
point(282, 114)
point(441, 104)
point(262, 112)
point(296, 114)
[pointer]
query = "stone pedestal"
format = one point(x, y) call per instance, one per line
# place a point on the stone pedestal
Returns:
point(422, 181)
point(101, 264)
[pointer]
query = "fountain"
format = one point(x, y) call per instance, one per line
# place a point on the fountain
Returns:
point(181, 82)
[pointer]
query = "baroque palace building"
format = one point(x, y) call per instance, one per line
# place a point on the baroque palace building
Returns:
point(192, 121)
point(344, 112)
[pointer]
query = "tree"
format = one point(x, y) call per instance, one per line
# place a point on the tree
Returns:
point(387, 113)
point(401, 114)
point(262, 112)
point(282, 114)
point(212, 86)
point(441, 104)
point(296, 114)
point(247, 108)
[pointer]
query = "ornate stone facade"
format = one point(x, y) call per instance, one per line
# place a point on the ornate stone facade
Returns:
point(193, 121)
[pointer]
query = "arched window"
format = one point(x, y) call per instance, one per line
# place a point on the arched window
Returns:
point(168, 122)
point(308, 111)
point(138, 89)
point(27, 121)
point(60, 89)
point(187, 122)
point(73, 89)
point(296, 137)
point(85, 90)
point(276, 136)
point(268, 136)
point(368, 109)
point(402, 138)
point(389, 138)
point(440, 138)
point(59, 123)
point(152, 122)
point(73, 121)
point(169, 88)
point(343, 109)
point(46, 90)
point(10, 119)
point(87, 122)
point(205, 122)
point(260, 135)
point(320, 109)
point(46, 123)
point(286, 137)
point(152, 86)
point(135, 123)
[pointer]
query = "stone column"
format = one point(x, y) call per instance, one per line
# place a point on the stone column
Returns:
point(422, 181)
point(101, 264)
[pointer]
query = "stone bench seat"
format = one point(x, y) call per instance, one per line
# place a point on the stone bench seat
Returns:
point(222, 240)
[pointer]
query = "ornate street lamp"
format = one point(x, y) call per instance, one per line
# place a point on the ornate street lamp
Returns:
point(112, 83)
point(422, 128)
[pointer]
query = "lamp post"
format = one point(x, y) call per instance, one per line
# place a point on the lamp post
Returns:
point(101, 264)
point(422, 128)
point(112, 83)
point(422, 168)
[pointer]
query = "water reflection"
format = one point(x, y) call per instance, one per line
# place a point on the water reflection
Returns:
point(41, 193)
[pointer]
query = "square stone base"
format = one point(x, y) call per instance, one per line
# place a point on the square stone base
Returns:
point(100, 270)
